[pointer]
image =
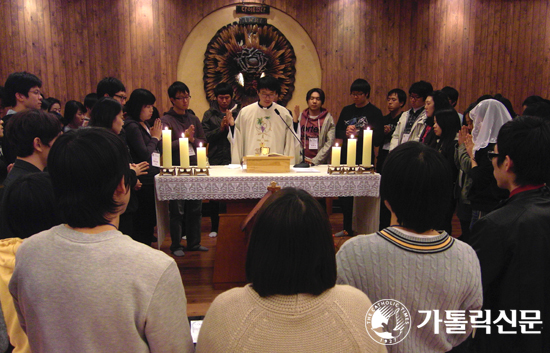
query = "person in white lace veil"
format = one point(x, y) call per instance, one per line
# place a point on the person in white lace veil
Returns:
point(488, 116)
point(484, 194)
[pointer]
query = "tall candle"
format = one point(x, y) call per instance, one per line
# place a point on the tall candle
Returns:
point(367, 147)
point(184, 151)
point(336, 151)
point(201, 156)
point(352, 151)
point(167, 148)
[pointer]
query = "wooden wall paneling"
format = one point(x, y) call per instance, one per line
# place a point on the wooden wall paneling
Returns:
point(458, 49)
point(47, 75)
point(488, 41)
point(538, 57)
point(405, 48)
point(376, 67)
point(84, 59)
point(58, 67)
point(517, 42)
point(420, 52)
point(499, 45)
point(524, 62)
point(467, 90)
point(135, 42)
point(126, 71)
point(23, 61)
point(38, 39)
point(156, 74)
point(28, 37)
point(93, 48)
point(508, 60)
point(6, 60)
point(75, 73)
point(478, 51)
point(545, 74)
point(435, 65)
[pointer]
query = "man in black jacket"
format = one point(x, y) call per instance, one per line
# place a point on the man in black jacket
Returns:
point(215, 124)
point(513, 242)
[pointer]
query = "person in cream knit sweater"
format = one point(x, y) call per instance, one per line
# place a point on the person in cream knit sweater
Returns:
point(292, 303)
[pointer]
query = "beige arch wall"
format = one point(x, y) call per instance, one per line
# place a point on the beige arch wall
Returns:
point(190, 63)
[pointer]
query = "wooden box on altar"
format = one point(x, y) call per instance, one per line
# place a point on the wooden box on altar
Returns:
point(267, 164)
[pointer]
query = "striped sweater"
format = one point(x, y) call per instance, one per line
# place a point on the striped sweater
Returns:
point(423, 273)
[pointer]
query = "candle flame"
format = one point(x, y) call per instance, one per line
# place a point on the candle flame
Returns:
point(352, 136)
point(200, 144)
point(166, 128)
point(183, 135)
point(368, 128)
point(336, 144)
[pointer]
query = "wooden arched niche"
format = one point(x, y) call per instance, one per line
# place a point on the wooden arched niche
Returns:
point(308, 72)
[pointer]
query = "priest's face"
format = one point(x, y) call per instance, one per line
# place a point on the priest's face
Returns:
point(267, 97)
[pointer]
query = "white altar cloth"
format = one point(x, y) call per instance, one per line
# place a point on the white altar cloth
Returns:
point(237, 184)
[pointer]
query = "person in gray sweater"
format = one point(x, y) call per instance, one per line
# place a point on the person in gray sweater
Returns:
point(84, 286)
point(411, 262)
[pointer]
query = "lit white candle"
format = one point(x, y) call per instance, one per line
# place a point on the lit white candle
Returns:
point(367, 147)
point(336, 151)
point(201, 156)
point(352, 151)
point(184, 151)
point(167, 148)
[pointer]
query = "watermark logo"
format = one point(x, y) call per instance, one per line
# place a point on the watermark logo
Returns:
point(388, 322)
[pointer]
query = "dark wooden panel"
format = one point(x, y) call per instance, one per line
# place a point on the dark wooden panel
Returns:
point(477, 46)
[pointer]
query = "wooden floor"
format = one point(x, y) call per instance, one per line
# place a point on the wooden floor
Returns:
point(197, 267)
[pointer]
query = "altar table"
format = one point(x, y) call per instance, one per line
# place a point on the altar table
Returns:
point(236, 184)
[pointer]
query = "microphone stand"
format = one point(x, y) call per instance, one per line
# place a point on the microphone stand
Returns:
point(302, 164)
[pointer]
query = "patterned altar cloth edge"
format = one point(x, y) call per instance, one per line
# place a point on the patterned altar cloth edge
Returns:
point(231, 184)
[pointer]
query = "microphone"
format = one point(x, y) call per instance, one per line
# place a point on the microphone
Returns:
point(303, 164)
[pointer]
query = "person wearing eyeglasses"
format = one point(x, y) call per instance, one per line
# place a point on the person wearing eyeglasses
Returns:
point(185, 215)
point(21, 91)
point(512, 244)
point(112, 87)
point(412, 123)
point(263, 124)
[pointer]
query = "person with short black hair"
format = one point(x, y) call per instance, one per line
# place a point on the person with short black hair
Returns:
point(355, 118)
point(3, 104)
point(89, 101)
point(540, 109)
point(396, 98)
point(185, 215)
point(31, 210)
point(112, 87)
point(263, 124)
point(316, 128)
point(21, 91)
point(88, 269)
point(292, 303)
point(31, 133)
point(143, 140)
point(74, 115)
point(412, 123)
point(453, 95)
point(215, 123)
point(394, 263)
point(512, 241)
